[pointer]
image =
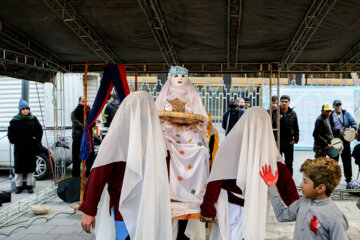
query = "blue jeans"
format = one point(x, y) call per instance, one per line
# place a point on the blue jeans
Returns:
point(120, 228)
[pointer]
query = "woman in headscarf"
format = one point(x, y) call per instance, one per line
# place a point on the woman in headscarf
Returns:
point(236, 197)
point(25, 132)
point(127, 191)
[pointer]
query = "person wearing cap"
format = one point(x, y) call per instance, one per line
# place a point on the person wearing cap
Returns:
point(340, 120)
point(231, 116)
point(247, 103)
point(322, 132)
point(289, 131)
point(25, 132)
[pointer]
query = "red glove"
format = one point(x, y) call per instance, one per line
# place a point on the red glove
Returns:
point(269, 179)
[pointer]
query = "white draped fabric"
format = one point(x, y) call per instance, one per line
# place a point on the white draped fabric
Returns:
point(189, 165)
point(247, 147)
point(135, 137)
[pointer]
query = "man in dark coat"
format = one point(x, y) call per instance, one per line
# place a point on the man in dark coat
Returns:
point(25, 132)
point(340, 120)
point(77, 119)
point(275, 108)
point(322, 132)
point(111, 109)
point(289, 131)
point(231, 116)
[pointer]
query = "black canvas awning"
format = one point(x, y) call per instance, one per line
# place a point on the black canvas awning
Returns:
point(41, 37)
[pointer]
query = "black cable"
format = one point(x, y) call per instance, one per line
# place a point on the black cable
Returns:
point(26, 227)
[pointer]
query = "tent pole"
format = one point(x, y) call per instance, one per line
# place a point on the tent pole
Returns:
point(83, 161)
point(278, 110)
point(136, 80)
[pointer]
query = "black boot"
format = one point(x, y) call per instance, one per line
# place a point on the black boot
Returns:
point(19, 190)
point(30, 189)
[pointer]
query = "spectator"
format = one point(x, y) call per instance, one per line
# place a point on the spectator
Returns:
point(231, 116)
point(25, 132)
point(77, 119)
point(111, 108)
point(316, 215)
point(340, 120)
point(289, 131)
point(274, 102)
point(322, 132)
point(274, 106)
point(247, 103)
point(240, 102)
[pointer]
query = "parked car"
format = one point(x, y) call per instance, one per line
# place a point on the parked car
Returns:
point(60, 153)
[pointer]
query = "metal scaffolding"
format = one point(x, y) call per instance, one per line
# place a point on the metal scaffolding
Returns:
point(234, 23)
point(28, 61)
point(159, 29)
point(223, 67)
point(25, 45)
point(67, 13)
point(351, 58)
point(313, 19)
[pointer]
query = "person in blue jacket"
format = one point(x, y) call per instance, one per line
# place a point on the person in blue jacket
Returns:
point(340, 120)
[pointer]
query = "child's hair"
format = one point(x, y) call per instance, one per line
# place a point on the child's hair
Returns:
point(323, 171)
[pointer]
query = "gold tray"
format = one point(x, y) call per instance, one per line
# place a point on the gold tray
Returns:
point(181, 118)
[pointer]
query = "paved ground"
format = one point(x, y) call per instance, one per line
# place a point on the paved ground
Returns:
point(62, 224)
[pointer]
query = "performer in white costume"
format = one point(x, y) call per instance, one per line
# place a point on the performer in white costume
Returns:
point(130, 175)
point(186, 143)
point(235, 188)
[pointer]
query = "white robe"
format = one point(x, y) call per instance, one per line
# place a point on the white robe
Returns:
point(135, 137)
point(248, 146)
point(189, 164)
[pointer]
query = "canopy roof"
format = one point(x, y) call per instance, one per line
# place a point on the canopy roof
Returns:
point(41, 37)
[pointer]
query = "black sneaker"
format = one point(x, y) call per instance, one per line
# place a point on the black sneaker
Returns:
point(19, 190)
point(30, 189)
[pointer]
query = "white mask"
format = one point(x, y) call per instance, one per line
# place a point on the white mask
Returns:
point(178, 80)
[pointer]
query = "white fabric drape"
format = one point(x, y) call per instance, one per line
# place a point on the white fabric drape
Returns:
point(187, 144)
point(247, 147)
point(135, 137)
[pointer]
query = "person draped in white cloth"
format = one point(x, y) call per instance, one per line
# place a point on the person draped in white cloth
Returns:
point(128, 188)
point(236, 196)
point(187, 147)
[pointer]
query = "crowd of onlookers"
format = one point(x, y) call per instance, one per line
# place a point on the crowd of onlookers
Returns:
point(333, 123)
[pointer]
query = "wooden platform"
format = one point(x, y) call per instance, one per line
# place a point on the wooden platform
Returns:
point(194, 216)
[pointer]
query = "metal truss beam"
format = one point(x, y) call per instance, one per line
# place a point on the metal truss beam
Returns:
point(313, 19)
point(159, 29)
point(351, 58)
point(234, 22)
point(64, 10)
point(29, 61)
point(223, 68)
point(25, 45)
